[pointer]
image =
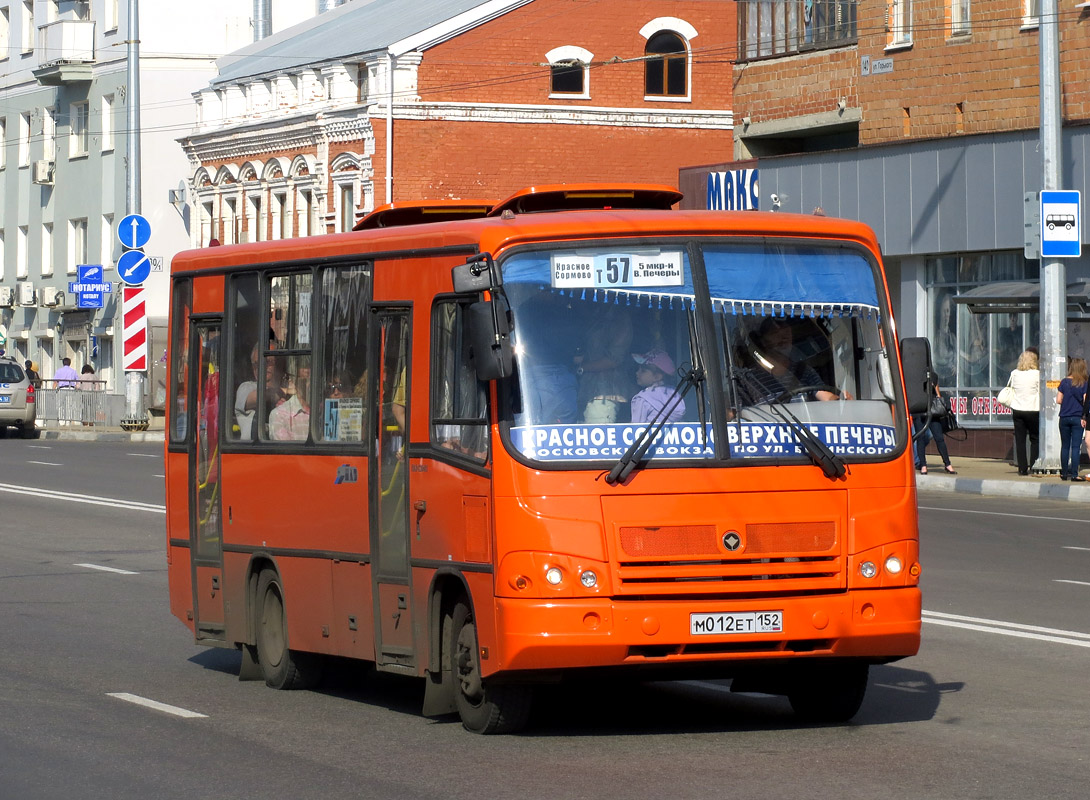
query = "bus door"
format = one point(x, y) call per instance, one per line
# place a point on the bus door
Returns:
point(389, 482)
point(205, 533)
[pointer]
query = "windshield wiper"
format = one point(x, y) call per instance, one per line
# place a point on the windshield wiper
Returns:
point(636, 451)
point(831, 464)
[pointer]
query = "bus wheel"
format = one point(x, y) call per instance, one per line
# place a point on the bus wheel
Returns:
point(829, 693)
point(483, 707)
point(281, 667)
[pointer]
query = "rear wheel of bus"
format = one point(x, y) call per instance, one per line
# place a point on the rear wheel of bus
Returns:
point(829, 693)
point(281, 667)
point(484, 707)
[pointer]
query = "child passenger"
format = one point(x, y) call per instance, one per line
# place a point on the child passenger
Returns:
point(654, 368)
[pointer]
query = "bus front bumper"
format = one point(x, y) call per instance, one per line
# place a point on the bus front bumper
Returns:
point(556, 634)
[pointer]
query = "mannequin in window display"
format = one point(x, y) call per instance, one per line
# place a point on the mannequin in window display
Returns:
point(944, 346)
point(974, 351)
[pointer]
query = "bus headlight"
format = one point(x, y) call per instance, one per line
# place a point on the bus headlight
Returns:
point(588, 578)
point(554, 576)
point(868, 569)
point(893, 565)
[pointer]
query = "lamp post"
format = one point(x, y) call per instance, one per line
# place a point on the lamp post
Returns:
point(1053, 356)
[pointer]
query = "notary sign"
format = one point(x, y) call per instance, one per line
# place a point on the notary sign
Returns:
point(1061, 228)
point(89, 288)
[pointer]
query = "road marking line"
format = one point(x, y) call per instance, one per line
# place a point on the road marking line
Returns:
point(145, 455)
point(1077, 583)
point(107, 569)
point(131, 505)
point(1070, 547)
point(157, 706)
point(46, 463)
point(40, 446)
point(1001, 514)
point(1008, 628)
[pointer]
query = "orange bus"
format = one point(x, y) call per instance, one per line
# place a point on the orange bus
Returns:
point(576, 431)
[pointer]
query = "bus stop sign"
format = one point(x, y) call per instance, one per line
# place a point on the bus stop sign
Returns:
point(1061, 229)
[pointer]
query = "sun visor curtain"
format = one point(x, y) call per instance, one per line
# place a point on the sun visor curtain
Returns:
point(757, 280)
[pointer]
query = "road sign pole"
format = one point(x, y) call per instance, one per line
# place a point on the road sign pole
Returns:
point(1053, 341)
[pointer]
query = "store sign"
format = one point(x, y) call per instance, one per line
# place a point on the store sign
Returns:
point(732, 190)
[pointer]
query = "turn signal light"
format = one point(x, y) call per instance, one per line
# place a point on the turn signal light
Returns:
point(868, 569)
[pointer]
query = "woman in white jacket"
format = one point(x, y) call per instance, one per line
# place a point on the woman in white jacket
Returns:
point(1025, 380)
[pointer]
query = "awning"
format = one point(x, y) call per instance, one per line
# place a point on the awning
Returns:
point(1017, 297)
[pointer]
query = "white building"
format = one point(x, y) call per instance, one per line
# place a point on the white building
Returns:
point(63, 166)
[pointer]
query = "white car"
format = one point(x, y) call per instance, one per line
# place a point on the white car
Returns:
point(17, 406)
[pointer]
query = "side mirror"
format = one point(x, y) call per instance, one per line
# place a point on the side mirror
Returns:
point(488, 325)
point(478, 274)
point(916, 363)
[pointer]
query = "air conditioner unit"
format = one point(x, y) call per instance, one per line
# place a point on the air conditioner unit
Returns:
point(26, 294)
point(7, 297)
point(43, 173)
point(50, 296)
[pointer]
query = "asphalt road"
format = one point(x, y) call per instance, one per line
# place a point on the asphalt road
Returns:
point(995, 705)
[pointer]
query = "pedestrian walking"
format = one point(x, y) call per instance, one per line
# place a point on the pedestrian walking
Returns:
point(66, 376)
point(1071, 397)
point(935, 429)
point(1025, 381)
point(32, 374)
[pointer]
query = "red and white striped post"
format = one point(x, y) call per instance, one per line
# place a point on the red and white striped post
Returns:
point(135, 335)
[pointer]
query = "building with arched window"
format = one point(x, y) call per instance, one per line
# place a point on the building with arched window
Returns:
point(460, 99)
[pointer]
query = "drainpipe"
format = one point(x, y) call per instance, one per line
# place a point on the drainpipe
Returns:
point(390, 61)
point(262, 19)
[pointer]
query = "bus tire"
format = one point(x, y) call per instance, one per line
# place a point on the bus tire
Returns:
point(829, 693)
point(484, 708)
point(280, 667)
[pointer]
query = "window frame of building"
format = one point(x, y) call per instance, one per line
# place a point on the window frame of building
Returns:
point(49, 133)
point(664, 69)
point(3, 142)
point(255, 216)
point(110, 16)
point(280, 213)
point(77, 243)
point(960, 18)
point(3, 253)
point(106, 244)
point(79, 132)
point(22, 251)
point(106, 117)
point(229, 217)
point(306, 210)
point(1031, 13)
point(565, 62)
point(345, 194)
point(5, 32)
point(774, 28)
point(25, 119)
point(47, 249)
point(899, 24)
point(29, 30)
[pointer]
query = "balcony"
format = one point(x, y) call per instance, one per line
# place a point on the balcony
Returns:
point(66, 52)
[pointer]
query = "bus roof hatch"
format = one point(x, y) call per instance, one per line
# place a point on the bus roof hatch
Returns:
point(582, 196)
point(407, 213)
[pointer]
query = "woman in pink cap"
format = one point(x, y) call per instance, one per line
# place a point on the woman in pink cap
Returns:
point(654, 367)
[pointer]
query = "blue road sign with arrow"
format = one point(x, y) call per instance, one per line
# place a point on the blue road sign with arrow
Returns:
point(133, 267)
point(134, 231)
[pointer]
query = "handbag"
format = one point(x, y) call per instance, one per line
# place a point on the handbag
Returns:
point(949, 421)
point(938, 407)
point(1006, 394)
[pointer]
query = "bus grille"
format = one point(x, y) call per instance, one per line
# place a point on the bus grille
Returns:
point(692, 559)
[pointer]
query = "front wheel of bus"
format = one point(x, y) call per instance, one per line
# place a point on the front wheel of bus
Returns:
point(829, 693)
point(280, 667)
point(483, 707)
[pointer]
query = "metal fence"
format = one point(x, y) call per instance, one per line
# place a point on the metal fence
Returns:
point(89, 404)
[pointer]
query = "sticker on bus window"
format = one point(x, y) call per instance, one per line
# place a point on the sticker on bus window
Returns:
point(680, 440)
point(617, 270)
point(344, 419)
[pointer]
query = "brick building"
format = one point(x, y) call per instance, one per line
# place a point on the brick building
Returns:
point(306, 131)
point(920, 118)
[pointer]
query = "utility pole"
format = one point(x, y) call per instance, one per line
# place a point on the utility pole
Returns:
point(136, 415)
point(1053, 355)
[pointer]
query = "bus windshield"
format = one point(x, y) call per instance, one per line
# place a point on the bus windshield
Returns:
point(774, 342)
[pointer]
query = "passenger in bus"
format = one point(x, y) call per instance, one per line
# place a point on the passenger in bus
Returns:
point(775, 372)
point(546, 338)
point(652, 372)
point(602, 366)
point(246, 396)
point(290, 421)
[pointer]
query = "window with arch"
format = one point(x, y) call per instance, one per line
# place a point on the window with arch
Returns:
point(666, 66)
point(569, 72)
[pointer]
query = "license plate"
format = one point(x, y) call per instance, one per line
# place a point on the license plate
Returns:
point(4, 398)
point(743, 622)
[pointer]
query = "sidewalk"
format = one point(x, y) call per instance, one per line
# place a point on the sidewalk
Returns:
point(989, 476)
point(980, 476)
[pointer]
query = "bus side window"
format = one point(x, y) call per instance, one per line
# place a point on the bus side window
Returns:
point(341, 373)
point(459, 402)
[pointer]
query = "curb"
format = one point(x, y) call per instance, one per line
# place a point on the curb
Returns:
point(1001, 488)
point(102, 436)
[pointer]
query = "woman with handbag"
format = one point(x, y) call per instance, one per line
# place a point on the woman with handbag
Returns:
point(938, 411)
point(1024, 401)
point(1069, 398)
